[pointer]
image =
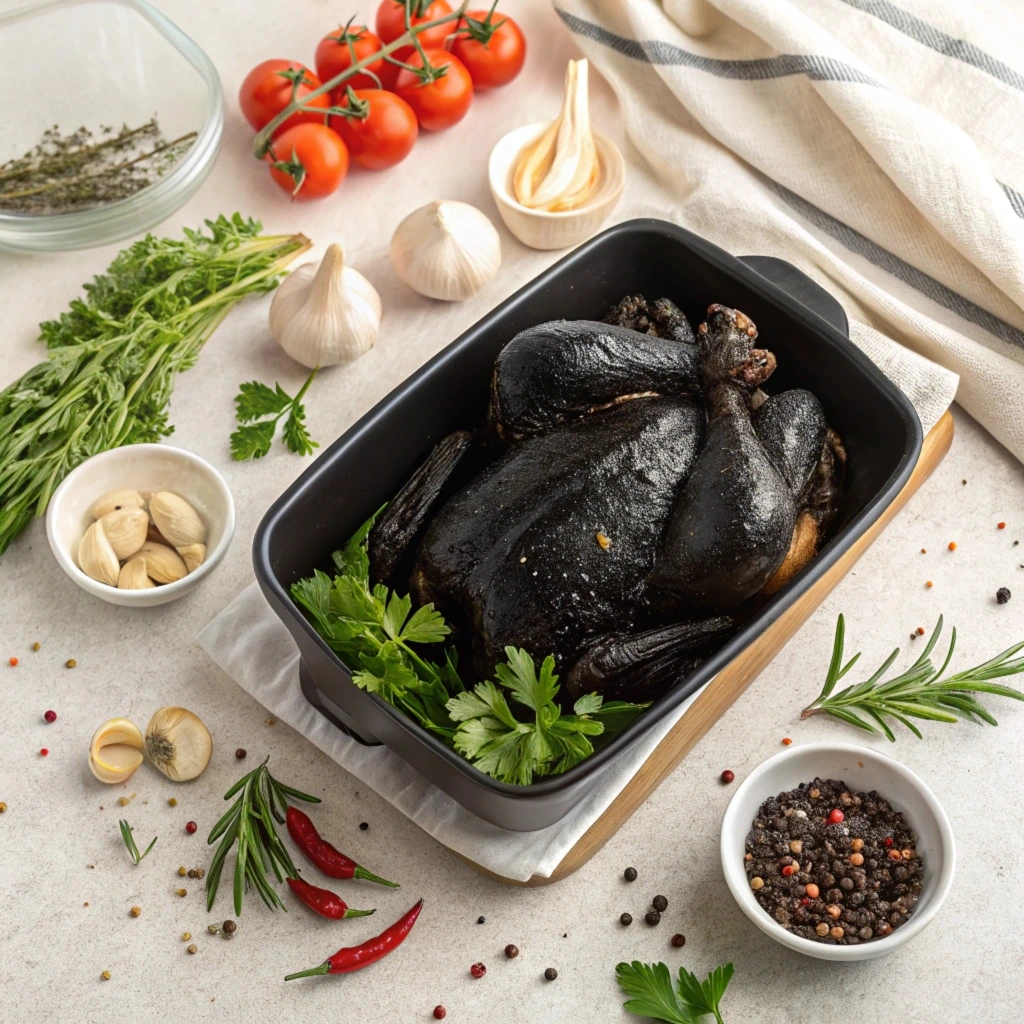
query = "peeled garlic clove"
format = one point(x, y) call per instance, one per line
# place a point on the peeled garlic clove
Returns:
point(133, 575)
point(193, 555)
point(178, 744)
point(446, 250)
point(163, 564)
point(113, 501)
point(126, 530)
point(326, 314)
point(176, 519)
point(96, 557)
point(116, 750)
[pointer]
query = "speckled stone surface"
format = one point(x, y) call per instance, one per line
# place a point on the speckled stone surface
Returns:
point(67, 885)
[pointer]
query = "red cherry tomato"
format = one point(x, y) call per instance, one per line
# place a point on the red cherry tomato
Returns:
point(391, 21)
point(439, 102)
point(384, 136)
point(492, 47)
point(308, 161)
point(267, 90)
point(334, 54)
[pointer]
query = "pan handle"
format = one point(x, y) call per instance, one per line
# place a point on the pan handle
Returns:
point(801, 288)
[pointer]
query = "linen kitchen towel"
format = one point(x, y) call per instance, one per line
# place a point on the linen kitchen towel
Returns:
point(877, 145)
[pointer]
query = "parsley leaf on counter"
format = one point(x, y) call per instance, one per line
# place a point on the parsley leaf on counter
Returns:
point(649, 987)
point(371, 629)
point(259, 408)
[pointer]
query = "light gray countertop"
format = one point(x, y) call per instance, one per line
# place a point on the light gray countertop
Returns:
point(60, 851)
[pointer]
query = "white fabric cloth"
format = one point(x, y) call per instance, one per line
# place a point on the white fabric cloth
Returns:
point(249, 642)
point(876, 145)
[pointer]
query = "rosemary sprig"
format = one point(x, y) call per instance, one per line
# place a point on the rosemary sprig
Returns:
point(133, 850)
point(919, 692)
point(250, 821)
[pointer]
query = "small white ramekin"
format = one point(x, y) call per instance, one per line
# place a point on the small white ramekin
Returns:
point(863, 770)
point(143, 467)
point(540, 229)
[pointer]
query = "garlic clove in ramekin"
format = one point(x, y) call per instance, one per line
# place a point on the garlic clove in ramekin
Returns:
point(178, 744)
point(116, 750)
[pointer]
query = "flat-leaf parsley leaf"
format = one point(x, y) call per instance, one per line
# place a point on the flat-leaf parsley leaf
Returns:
point(259, 407)
point(649, 987)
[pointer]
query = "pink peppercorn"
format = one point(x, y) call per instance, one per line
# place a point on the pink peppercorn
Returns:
point(43, 752)
point(50, 716)
point(478, 970)
point(440, 1013)
point(190, 827)
point(836, 816)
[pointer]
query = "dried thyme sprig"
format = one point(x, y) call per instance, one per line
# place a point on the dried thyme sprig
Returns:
point(129, 841)
point(250, 821)
point(919, 692)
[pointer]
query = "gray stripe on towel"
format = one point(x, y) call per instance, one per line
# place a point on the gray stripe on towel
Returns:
point(939, 41)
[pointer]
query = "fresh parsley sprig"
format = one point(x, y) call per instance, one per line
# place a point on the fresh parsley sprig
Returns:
point(919, 692)
point(649, 987)
point(259, 408)
point(129, 842)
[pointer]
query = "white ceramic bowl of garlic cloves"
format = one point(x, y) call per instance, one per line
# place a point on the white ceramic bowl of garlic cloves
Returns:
point(146, 469)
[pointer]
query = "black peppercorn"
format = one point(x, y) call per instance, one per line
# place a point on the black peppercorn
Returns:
point(511, 951)
point(652, 917)
point(626, 919)
point(480, 919)
point(228, 928)
point(550, 974)
point(1003, 595)
point(660, 904)
point(678, 940)
point(240, 753)
point(363, 826)
point(629, 874)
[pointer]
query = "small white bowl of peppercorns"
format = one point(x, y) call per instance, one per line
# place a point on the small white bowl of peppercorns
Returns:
point(837, 851)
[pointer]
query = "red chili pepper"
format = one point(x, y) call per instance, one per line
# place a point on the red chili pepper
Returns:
point(354, 958)
point(323, 901)
point(322, 854)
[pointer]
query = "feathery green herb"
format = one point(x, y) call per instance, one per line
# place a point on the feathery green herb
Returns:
point(919, 692)
point(114, 354)
point(650, 991)
point(129, 842)
point(250, 821)
point(259, 408)
point(373, 633)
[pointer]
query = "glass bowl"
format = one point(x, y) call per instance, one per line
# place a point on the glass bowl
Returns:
point(126, 63)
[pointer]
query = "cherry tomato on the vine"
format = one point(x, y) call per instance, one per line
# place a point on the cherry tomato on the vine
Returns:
point(337, 51)
point(267, 90)
point(391, 24)
point(440, 93)
point(383, 135)
point(308, 161)
point(492, 47)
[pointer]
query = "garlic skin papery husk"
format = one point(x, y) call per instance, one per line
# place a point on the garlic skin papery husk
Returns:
point(560, 169)
point(116, 750)
point(325, 314)
point(446, 250)
point(178, 744)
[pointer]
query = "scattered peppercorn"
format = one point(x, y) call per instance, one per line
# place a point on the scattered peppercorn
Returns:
point(550, 974)
point(363, 826)
point(626, 919)
point(70, 663)
point(136, 911)
point(50, 716)
point(920, 631)
point(440, 1013)
point(3, 807)
point(1000, 526)
point(728, 776)
point(181, 892)
point(929, 584)
point(240, 753)
point(190, 827)
point(836, 816)
point(43, 752)
point(924, 551)
point(105, 975)
point(270, 721)
point(229, 927)
point(193, 948)
point(511, 951)
point(213, 928)
point(478, 970)
point(35, 646)
point(12, 662)
point(952, 545)
point(678, 940)
point(786, 741)
point(185, 936)
point(756, 883)
point(181, 870)
point(629, 874)
point(122, 801)
point(812, 890)
point(196, 872)
point(1002, 595)
point(660, 904)
point(481, 919)
point(652, 917)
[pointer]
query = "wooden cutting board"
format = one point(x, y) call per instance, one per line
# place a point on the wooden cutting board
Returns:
point(727, 686)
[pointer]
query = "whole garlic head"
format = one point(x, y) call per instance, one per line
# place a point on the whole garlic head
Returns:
point(326, 314)
point(178, 744)
point(446, 250)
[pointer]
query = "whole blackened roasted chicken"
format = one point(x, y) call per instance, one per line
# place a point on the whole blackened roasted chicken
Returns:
point(637, 495)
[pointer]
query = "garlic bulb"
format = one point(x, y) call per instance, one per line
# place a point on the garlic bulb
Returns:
point(96, 557)
point(325, 315)
point(116, 750)
point(560, 169)
point(176, 519)
point(446, 250)
point(178, 744)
